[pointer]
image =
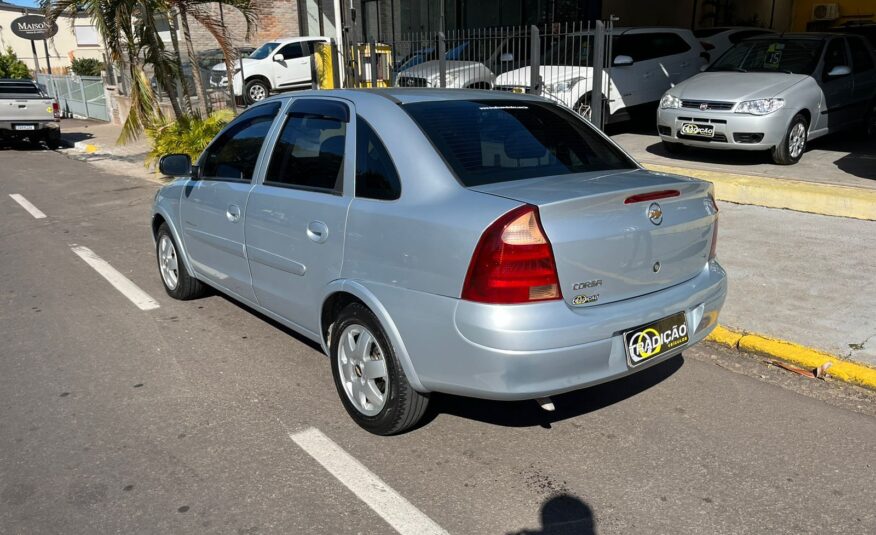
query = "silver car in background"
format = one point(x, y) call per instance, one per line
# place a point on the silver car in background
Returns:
point(773, 93)
point(494, 246)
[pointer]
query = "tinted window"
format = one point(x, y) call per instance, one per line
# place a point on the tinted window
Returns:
point(292, 51)
point(488, 141)
point(739, 36)
point(796, 56)
point(834, 56)
point(235, 152)
point(645, 46)
point(310, 151)
point(20, 89)
point(376, 177)
point(861, 58)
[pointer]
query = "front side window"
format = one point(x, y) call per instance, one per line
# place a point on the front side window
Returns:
point(310, 151)
point(834, 56)
point(645, 46)
point(234, 154)
point(292, 51)
point(862, 61)
point(376, 177)
point(489, 141)
point(791, 56)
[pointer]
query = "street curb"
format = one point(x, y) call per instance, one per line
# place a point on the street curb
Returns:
point(87, 148)
point(812, 197)
point(841, 369)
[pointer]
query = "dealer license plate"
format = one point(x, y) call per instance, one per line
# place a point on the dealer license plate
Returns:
point(701, 130)
point(25, 127)
point(656, 338)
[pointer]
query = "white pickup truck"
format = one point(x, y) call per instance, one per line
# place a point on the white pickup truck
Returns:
point(27, 112)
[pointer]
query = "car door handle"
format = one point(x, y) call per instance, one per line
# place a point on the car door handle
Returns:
point(317, 231)
point(233, 213)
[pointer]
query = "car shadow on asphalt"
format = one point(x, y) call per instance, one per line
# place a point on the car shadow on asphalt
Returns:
point(21, 145)
point(563, 514)
point(569, 405)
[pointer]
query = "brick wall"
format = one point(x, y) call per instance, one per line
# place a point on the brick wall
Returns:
point(276, 19)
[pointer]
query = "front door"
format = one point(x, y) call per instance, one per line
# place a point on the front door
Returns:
point(294, 70)
point(864, 72)
point(837, 107)
point(296, 219)
point(212, 206)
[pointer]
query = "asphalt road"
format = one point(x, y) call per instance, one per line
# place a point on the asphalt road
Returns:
point(178, 419)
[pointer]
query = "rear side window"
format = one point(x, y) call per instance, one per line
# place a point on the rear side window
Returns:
point(310, 151)
point(861, 59)
point(20, 88)
point(234, 154)
point(489, 141)
point(376, 177)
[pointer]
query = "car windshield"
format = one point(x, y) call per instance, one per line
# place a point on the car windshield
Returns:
point(792, 56)
point(264, 51)
point(489, 141)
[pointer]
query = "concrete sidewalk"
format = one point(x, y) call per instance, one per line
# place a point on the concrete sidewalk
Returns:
point(799, 277)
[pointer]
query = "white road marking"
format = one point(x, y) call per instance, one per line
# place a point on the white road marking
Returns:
point(389, 504)
point(120, 282)
point(27, 205)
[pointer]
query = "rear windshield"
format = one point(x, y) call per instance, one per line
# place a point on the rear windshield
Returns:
point(20, 89)
point(791, 56)
point(489, 141)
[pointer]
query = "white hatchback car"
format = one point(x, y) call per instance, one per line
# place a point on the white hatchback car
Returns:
point(646, 63)
point(278, 65)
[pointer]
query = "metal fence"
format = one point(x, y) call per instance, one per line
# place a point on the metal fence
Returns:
point(78, 96)
point(568, 63)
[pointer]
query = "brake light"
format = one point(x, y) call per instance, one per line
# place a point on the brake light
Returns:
point(513, 262)
point(652, 196)
point(56, 109)
point(713, 252)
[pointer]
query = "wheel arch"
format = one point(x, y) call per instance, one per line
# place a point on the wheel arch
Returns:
point(261, 78)
point(160, 217)
point(343, 292)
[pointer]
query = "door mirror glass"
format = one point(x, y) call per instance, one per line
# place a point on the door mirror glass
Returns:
point(278, 58)
point(840, 70)
point(175, 165)
point(506, 57)
point(622, 61)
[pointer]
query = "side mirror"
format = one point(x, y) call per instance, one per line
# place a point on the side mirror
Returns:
point(506, 57)
point(703, 68)
point(279, 58)
point(175, 165)
point(622, 61)
point(840, 70)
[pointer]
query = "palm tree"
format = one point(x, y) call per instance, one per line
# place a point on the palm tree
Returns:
point(199, 11)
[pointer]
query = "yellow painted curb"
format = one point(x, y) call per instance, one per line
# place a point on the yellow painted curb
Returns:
point(91, 149)
point(825, 199)
point(844, 370)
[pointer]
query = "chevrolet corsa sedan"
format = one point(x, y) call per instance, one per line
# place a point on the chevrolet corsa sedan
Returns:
point(459, 241)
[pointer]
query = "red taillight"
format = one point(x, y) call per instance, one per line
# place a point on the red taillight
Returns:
point(56, 109)
point(513, 262)
point(652, 196)
point(713, 252)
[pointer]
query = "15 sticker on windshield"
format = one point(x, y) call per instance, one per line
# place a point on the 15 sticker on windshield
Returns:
point(657, 338)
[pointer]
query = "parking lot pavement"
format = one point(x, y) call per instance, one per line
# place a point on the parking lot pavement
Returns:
point(202, 416)
point(843, 159)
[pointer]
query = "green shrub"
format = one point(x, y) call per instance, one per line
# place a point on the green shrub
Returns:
point(188, 135)
point(86, 66)
point(11, 66)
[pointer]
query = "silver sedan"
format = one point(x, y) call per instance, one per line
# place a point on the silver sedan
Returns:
point(444, 241)
point(773, 93)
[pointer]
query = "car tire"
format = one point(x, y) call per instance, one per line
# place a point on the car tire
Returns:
point(793, 145)
point(366, 368)
point(177, 281)
point(674, 148)
point(53, 141)
point(256, 90)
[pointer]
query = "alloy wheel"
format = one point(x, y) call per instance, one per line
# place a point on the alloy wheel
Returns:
point(257, 92)
point(168, 262)
point(797, 140)
point(362, 364)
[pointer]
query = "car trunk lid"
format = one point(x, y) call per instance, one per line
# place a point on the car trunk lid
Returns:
point(608, 239)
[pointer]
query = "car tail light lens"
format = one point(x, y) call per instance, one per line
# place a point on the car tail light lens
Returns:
point(713, 252)
point(56, 109)
point(513, 262)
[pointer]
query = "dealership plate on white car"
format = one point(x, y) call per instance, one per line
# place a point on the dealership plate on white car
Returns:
point(701, 130)
point(656, 338)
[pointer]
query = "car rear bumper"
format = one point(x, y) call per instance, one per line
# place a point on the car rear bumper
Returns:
point(527, 351)
point(735, 131)
point(42, 126)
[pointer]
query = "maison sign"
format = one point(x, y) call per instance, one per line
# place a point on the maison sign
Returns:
point(33, 27)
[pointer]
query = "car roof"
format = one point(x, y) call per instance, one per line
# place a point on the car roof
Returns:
point(409, 95)
point(284, 40)
point(632, 30)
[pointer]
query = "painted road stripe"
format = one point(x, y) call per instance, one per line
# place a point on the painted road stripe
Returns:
point(389, 504)
point(119, 281)
point(27, 205)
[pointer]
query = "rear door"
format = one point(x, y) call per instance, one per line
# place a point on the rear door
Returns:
point(212, 206)
point(296, 218)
